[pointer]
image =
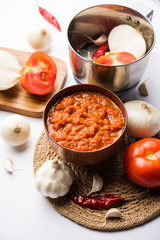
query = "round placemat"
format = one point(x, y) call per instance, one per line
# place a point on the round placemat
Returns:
point(138, 205)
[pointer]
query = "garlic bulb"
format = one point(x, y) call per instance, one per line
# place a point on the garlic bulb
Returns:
point(124, 38)
point(15, 130)
point(9, 70)
point(54, 179)
point(143, 119)
point(39, 38)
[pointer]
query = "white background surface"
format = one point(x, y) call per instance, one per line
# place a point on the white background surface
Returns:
point(24, 213)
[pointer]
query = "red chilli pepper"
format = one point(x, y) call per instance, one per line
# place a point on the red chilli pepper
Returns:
point(100, 51)
point(97, 201)
point(49, 17)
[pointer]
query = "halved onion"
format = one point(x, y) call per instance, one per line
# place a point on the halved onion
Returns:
point(143, 119)
point(9, 70)
point(124, 38)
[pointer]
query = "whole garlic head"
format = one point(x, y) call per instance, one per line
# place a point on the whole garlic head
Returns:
point(54, 179)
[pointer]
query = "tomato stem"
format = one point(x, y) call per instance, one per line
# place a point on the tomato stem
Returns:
point(151, 156)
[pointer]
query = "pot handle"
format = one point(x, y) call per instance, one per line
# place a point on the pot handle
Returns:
point(145, 10)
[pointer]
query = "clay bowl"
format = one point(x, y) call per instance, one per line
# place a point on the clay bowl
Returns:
point(81, 157)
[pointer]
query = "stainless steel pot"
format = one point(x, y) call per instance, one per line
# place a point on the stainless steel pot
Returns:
point(100, 19)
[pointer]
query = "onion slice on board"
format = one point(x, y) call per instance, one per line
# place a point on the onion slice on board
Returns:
point(9, 70)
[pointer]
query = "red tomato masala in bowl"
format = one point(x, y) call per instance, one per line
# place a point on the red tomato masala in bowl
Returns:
point(85, 121)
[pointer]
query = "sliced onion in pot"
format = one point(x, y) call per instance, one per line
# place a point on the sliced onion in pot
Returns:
point(124, 38)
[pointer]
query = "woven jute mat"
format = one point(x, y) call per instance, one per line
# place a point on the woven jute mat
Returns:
point(138, 206)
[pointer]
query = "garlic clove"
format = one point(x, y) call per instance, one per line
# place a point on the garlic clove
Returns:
point(143, 89)
point(112, 213)
point(87, 39)
point(8, 165)
point(97, 183)
point(100, 40)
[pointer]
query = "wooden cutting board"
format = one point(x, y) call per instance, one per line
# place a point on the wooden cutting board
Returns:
point(17, 100)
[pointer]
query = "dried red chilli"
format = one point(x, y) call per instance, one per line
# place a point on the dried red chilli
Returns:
point(101, 201)
point(49, 17)
point(100, 51)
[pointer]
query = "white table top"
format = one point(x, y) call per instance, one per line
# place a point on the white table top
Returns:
point(24, 213)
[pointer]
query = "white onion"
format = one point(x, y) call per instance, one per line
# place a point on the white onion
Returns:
point(39, 38)
point(9, 70)
point(124, 38)
point(15, 130)
point(143, 119)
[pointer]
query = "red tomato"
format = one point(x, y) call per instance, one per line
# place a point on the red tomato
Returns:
point(116, 58)
point(38, 74)
point(142, 162)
